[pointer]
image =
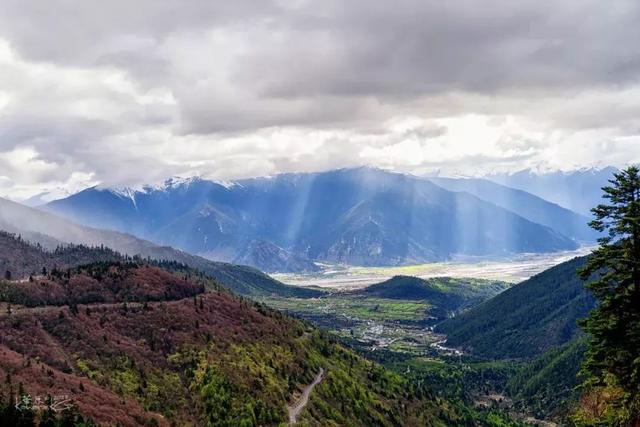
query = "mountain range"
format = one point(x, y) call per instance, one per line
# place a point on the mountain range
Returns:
point(527, 205)
point(51, 231)
point(360, 216)
point(86, 314)
point(578, 190)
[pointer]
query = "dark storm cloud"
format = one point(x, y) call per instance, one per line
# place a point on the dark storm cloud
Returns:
point(314, 62)
point(84, 33)
point(408, 48)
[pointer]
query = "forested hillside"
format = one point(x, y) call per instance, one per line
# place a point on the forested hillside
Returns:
point(445, 295)
point(170, 352)
point(415, 288)
point(547, 385)
point(53, 232)
point(21, 258)
point(527, 319)
point(106, 282)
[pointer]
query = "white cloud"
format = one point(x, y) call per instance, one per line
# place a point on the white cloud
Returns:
point(119, 95)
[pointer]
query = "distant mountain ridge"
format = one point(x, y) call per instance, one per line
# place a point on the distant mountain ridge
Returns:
point(50, 231)
point(358, 216)
point(527, 205)
point(578, 190)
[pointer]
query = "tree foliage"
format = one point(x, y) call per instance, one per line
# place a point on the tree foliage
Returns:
point(613, 356)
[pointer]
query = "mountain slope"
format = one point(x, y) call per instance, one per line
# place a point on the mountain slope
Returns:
point(526, 205)
point(22, 259)
point(269, 257)
point(449, 295)
point(527, 319)
point(547, 384)
point(358, 216)
point(49, 230)
point(137, 355)
point(578, 190)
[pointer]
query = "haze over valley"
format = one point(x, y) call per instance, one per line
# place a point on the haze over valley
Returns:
point(511, 269)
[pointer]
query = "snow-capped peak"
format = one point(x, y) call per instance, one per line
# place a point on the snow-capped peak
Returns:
point(178, 181)
point(228, 184)
point(127, 193)
point(173, 183)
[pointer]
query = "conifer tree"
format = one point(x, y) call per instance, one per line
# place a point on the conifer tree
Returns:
point(613, 271)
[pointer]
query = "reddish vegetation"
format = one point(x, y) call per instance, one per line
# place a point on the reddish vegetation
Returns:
point(99, 283)
point(41, 379)
point(211, 358)
point(41, 346)
point(128, 340)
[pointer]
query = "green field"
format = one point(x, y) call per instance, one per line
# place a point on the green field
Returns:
point(396, 315)
point(353, 307)
point(398, 325)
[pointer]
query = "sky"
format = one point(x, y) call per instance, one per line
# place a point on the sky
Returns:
point(124, 93)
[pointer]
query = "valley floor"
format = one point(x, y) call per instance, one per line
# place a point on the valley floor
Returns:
point(514, 269)
point(399, 333)
point(370, 324)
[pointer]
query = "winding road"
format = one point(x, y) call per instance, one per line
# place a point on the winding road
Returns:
point(298, 406)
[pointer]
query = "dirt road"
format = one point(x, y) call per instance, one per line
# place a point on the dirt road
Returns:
point(298, 406)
